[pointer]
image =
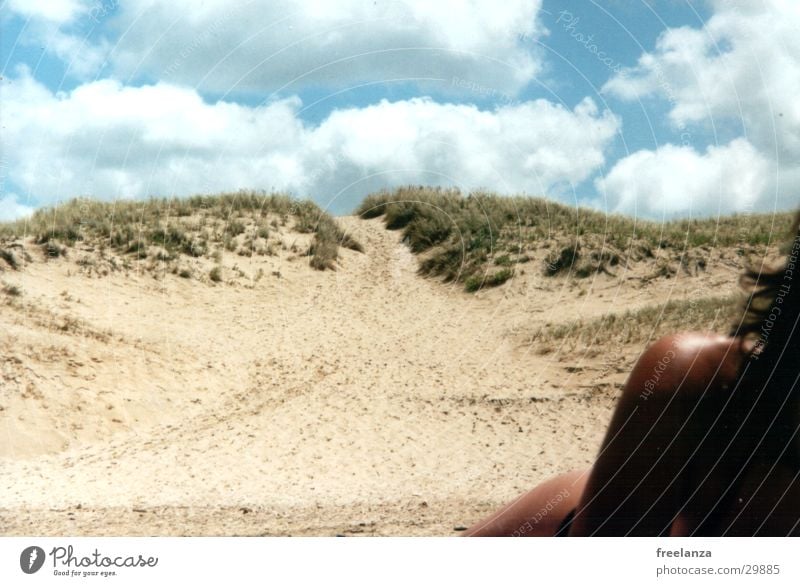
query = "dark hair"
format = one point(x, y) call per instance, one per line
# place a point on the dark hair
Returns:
point(763, 285)
point(754, 425)
point(768, 377)
point(765, 401)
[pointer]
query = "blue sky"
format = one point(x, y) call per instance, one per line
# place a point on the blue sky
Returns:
point(657, 108)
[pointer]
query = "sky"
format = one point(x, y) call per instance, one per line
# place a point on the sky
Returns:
point(653, 108)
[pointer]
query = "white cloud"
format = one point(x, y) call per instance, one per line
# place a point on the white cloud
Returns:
point(269, 45)
point(107, 140)
point(743, 65)
point(11, 209)
point(61, 28)
point(527, 147)
point(84, 59)
point(282, 45)
point(740, 73)
point(677, 180)
point(55, 11)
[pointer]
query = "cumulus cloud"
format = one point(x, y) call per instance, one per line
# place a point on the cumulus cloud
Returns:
point(59, 12)
point(283, 45)
point(744, 64)
point(83, 59)
point(107, 140)
point(676, 180)
point(740, 71)
point(61, 28)
point(12, 209)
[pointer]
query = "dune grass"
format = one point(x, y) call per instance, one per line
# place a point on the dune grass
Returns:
point(460, 237)
point(714, 314)
point(10, 258)
point(479, 239)
point(196, 226)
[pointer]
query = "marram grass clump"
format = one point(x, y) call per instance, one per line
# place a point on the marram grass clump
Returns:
point(641, 325)
point(460, 237)
point(162, 229)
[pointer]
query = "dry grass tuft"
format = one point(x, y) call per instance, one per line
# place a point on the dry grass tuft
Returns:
point(164, 229)
point(638, 326)
point(461, 236)
point(10, 258)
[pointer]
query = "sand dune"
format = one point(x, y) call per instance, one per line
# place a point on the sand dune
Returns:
point(366, 400)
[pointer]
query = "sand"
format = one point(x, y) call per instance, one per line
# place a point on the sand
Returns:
point(366, 400)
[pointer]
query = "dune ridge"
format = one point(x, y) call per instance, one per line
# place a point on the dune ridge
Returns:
point(283, 400)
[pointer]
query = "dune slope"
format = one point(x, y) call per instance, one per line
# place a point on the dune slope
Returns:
point(366, 400)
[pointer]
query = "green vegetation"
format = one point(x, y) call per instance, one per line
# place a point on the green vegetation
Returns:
point(477, 239)
point(54, 249)
point(327, 239)
point(475, 282)
point(648, 323)
point(197, 227)
point(459, 236)
point(10, 258)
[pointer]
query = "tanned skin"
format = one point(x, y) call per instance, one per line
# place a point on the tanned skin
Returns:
point(653, 474)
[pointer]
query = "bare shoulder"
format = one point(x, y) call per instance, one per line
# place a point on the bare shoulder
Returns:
point(694, 347)
point(688, 362)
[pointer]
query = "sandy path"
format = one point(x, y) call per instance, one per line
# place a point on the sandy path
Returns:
point(366, 400)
